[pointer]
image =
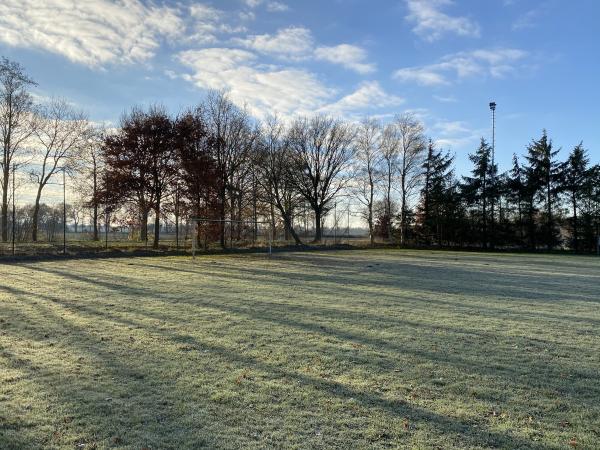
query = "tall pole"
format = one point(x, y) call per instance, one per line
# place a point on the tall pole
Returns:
point(254, 208)
point(64, 211)
point(493, 202)
point(13, 209)
point(348, 229)
point(177, 216)
point(335, 222)
point(106, 210)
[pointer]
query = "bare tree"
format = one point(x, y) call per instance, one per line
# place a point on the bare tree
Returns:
point(389, 155)
point(91, 173)
point(60, 136)
point(273, 161)
point(16, 125)
point(233, 141)
point(411, 152)
point(75, 212)
point(322, 149)
point(368, 170)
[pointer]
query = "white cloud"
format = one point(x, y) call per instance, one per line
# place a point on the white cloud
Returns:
point(446, 128)
point(265, 90)
point(272, 6)
point(496, 63)
point(455, 134)
point(277, 7)
point(445, 99)
point(297, 44)
point(91, 32)
point(369, 96)
point(205, 23)
point(532, 18)
point(431, 23)
point(288, 43)
point(425, 76)
point(349, 56)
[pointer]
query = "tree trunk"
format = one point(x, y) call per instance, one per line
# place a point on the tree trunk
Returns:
point(143, 224)
point(6, 174)
point(370, 214)
point(222, 200)
point(95, 209)
point(36, 213)
point(389, 207)
point(239, 215)
point(318, 230)
point(371, 227)
point(156, 226)
point(403, 209)
point(95, 220)
point(290, 229)
point(521, 231)
point(531, 226)
point(484, 223)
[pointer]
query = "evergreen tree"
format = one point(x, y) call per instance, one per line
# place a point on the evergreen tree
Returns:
point(542, 181)
point(576, 183)
point(478, 190)
point(516, 193)
point(590, 210)
point(437, 176)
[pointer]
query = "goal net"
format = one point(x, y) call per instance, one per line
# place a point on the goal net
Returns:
point(213, 234)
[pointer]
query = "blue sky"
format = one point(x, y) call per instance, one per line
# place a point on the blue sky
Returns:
point(444, 60)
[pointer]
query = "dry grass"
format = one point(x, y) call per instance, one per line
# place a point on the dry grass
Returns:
point(377, 349)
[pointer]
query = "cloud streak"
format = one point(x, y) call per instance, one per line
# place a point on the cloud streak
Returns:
point(431, 23)
point(292, 43)
point(348, 56)
point(268, 89)
point(265, 90)
point(496, 63)
point(91, 32)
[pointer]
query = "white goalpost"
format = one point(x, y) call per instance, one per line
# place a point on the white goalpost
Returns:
point(225, 232)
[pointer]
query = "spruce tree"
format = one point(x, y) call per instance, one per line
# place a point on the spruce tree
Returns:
point(516, 192)
point(437, 175)
point(478, 190)
point(542, 180)
point(576, 183)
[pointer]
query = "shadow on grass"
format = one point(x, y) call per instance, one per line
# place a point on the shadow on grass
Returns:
point(78, 337)
point(520, 370)
point(283, 315)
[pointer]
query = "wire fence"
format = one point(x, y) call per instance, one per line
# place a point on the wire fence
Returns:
point(64, 226)
point(56, 236)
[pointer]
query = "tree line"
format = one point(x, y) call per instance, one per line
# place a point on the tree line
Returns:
point(217, 162)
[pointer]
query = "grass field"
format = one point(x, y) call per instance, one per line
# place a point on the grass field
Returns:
point(355, 349)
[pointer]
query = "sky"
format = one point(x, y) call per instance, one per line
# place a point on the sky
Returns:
point(443, 60)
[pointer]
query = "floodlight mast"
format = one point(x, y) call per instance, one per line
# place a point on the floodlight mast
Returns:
point(493, 109)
